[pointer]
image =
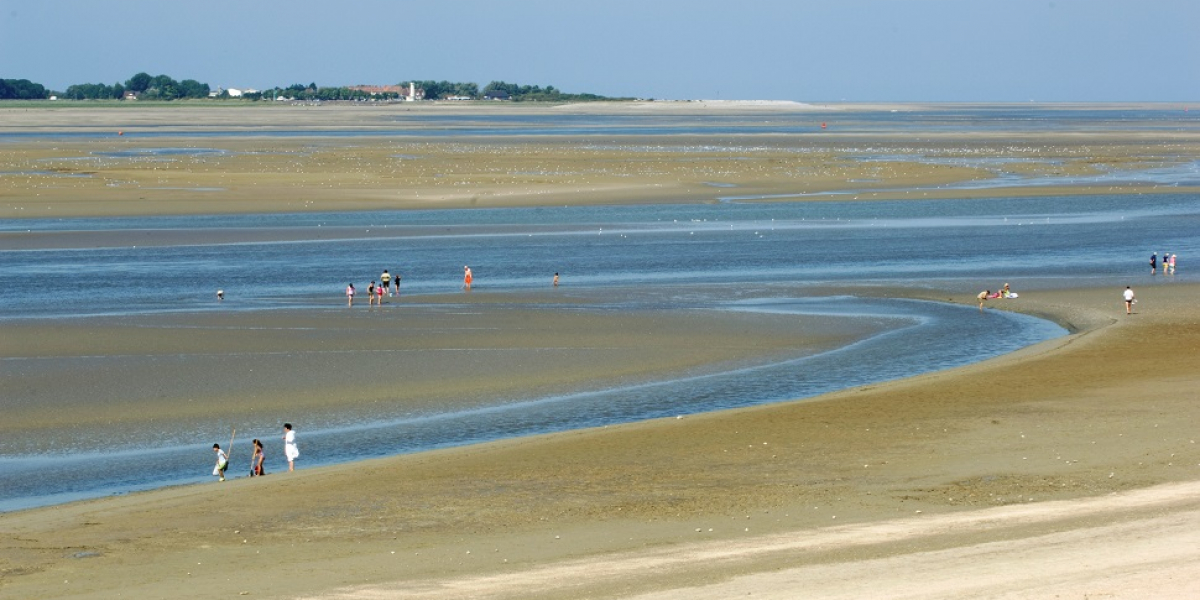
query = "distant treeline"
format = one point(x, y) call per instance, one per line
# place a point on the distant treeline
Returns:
point(533, 93)
point(431, 90)
point(163, 87)
point(22, 89)
point(311, 91)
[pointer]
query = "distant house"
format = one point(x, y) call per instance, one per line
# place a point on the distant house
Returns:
point(130, 95)
point(497, 95)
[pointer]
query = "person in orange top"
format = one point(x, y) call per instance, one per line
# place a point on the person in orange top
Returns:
point(467, 277)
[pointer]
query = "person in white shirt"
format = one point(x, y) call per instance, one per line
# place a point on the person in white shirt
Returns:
point(1129, 300)
point(289, 446)
point(222, 462)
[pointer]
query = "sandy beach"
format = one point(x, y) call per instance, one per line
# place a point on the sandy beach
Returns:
point(1067, 469)
point(1055, 446)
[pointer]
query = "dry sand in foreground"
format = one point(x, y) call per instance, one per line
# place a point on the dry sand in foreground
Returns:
point(986, 481)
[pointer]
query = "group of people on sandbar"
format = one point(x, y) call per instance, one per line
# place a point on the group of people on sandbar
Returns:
point(376, 293)
point(1004, 292)
point(1167, 263)
point(257, 457)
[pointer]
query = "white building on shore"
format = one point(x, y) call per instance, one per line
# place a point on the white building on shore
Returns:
point(231, 92)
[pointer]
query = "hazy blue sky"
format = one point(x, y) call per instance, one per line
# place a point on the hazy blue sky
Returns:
point(805, 50)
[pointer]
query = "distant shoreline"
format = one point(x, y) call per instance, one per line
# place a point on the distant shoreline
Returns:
point(598, 107)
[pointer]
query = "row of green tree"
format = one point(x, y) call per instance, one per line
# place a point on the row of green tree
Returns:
point(22, 89)
point(163, 87)
point(434, 90)
point(298, 91)
point(533, 93)
point(148, 87)
point(437, 90)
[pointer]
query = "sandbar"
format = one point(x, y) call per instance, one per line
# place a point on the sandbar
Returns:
point(120, 160)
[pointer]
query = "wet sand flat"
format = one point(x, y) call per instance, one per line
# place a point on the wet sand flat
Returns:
point(432, 353)
point(1108, 409)
point(388, 165)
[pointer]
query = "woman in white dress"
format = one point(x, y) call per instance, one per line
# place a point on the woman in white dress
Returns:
point(289, 446)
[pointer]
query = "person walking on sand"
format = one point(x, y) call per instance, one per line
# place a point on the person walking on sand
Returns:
point(1153, 262)
point(983, 296)
point(379, 291)
point(467, 277)
point(256, 460)
point(289, 446)
point(371, 295)
point(396, 281)
point(222, 462)
point(1129, 300)
point(385, 281)
point(350, 295)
